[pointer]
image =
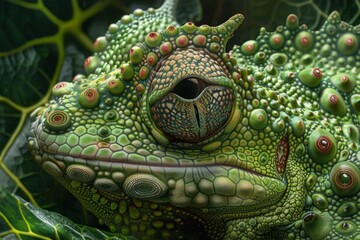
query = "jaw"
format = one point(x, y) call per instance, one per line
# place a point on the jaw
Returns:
point(211, 186)
point(268, 211)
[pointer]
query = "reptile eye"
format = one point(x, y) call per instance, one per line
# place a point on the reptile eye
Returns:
point(193, 110)
point(191, 98)
point(189, 88)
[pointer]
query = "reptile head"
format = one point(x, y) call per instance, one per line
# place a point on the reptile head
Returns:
point(178, 125)
point(155, 124)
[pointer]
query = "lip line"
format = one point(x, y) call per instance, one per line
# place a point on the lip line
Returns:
point(82, 160)
point(62, 158)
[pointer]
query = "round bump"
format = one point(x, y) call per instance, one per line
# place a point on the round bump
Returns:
point(346, 228)
point(199, 40)
point(204, 29)
point(278, 125)
point(311, 77)
point(79, 78)
point(140, 88)
point(351, 132)
point(153, 39)
point(320, 201)
point(111, 115)
point(115, 87)
point(292, 21)
point(221, 28)
point(355, 103)
point(138, 12)
point(344, 82)
point(144, 72)
point(104, 131)
point(249, 47)
point(317, 226)
point(53, 169)
point(144, 186)
point(151, 10)
point(276, 41)
point(89, 98)
point(57, 120)
point(236, 76)
point(278, 59)
point(126, 19)
point(325, 50)
point(348, 44)
point(166, 48)
point(182, 41)
point(344, 178)
point(300, 150)
point(288, 76)
point(304, 41)
point(258, 119)
point(113, 28)
point(80, 173)
point(298, 126)
point(127, 71)
point(333, 102)
point(189, 27)
point(152, 58)
point(62, 88)
point(214, 47)
point(272, 70)
point(307, 59)
point(331, 29)
point(259, 57)
point(118, 177)
point(136, 54)
point(91, 63)
point(171, 30)
point(226, 57)
point(264, 158)
point(100, 44)
point(322, 146)
point(106, 184)
point(310, 181)
point(347, 209)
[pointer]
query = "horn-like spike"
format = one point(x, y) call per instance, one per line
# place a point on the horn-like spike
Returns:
point(228, 28)
point(231, 24)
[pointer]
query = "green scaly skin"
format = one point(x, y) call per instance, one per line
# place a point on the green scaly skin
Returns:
point(170, 137)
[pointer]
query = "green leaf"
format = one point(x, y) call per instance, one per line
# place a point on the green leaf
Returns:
point(26, 221)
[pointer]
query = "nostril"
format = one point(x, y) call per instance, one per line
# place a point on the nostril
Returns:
point(57, 120)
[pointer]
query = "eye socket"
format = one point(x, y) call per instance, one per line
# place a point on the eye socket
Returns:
point(191, 98)
point(190, 88)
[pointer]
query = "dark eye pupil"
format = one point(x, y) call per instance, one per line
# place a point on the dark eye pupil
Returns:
point(189, 88)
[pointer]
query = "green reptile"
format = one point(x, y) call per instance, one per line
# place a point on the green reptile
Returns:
point(171, 137)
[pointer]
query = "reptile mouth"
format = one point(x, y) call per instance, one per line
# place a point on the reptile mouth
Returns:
point(184, 185)
point(191, 186)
